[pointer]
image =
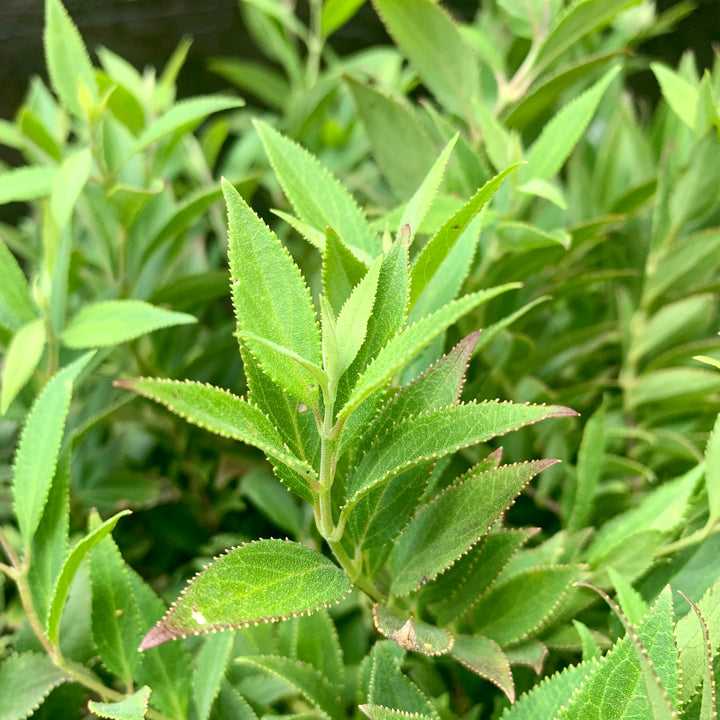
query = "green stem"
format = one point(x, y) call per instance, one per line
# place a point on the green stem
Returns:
point(689, 540)
point(315, 43)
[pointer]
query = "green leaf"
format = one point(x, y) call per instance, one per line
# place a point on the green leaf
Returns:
point(412, 635)
point(70, 567)
point(401, 146)
point(112, 322)
point(115, 615)
point(524, 604)
point(220, 412)
point(271, 300)
point(579, 19)
point(273, 500)
point(557, 140)
point(264, 581)
point(378, 712)
point(317, 197)
point(445, 529)
point(436, 48)
point(306, 680)
point(25, 681)
point(670, 383)
point(342, 270)
point(183, 116)
point(335, 13)
point(433, 254)
point(403, 346)
point(265, 83)
point(484, 657)
point(629, 599)
point(419, 204)
point(39, 447)
point(26, 183)
point(68, 184)
point(209, 672)
point(589, 469)
point(133, 707)
point(230, 704)
point(21, 359)
point(67, 58)
point(14, 289)
point(679, 94)
point(712, 472)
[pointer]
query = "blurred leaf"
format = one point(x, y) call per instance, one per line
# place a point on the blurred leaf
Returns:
point(209, 672)
point(335, 13)
point(26, 183)
point(263, 82)
point(133, 707)
point(25, 681)
point(679, 94)
point(21, 360)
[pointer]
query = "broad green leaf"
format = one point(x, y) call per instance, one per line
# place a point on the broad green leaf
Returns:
point(218, 411)
point(209, 672)
point(557, 140)
point(436, 48)
point(67, 58)
point(133, 707)
point(439, 432)
point(14, 289)
point(453, 592)
point(439, 247)
point(670, 383)
point(632, 556)
point(712, 472)
point(403, 346)
point(517, 608)
point(484, 657)
point(445, 529)
point(708, 707)
point(22, 357)
point(115, 615)
point(112, 322)
point(378, 712)
point(679, 94)
point(342, 270)
point(304, 678)
point(230, 704)
point(579, 19)
point(412, 635)
point(317, 197)
point(615, 689)
point(588, 471)
point(68, 184)
point(25, 681)
point(419, 204)
point(352, 322)
point(401, 146)
point(263, 581)
point(182, 116)
point(165, 669)
point(335, 13)
point(39, 447)
point(70, 567)
point(265, 83)
point(50, 544)
point(692, 641)
point(26, 183)
point(271, 300)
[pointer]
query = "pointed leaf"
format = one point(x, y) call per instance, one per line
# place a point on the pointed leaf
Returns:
point(342, 270)
point(263, 581)
point(679, 94)
point(712, 472)
point(410, 634)
point(378, 712)
point(70, 567)
point(14, 289)
point(209, 672)
point(131, 708)
point(434, 45)
point(67, 58)
point(21, 359)
point(271, 299)
point(218, 411)
point(26, 183)
point(485, 658)
point(68, 184)
point(39, 446)
point(317, 197)
point(439, 247)
point(25, 681)
point(447, 528)
point(411, 340)
point(112, 322)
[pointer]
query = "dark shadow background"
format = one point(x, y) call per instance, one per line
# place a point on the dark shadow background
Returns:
point(145, 32)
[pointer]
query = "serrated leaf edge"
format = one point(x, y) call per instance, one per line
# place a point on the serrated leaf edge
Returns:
point(50, 689)
point(410, 623)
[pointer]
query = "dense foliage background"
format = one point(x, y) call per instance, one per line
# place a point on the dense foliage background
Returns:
point(495, 171)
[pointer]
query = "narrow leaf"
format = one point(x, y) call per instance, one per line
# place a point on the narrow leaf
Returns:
point(317, 197)
point(218, 411)
point(209, 672)
point(679, 94)
point(263, 581)
point(448, 527)
point(21, 359)
point(271, 299)
point(25, 681)
point(14, 289)
point(342, 270)
point(39, 447)
point(112, 322)
point(68, 184)
point(484, 657)
point(26, 183)
point(712, 472)
point(133, 707)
